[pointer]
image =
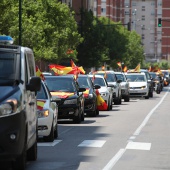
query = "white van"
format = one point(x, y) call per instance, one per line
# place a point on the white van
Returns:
point(18, 118)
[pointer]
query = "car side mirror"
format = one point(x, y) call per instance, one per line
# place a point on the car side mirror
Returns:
point(119, 81)
point(96, 86)
point(34, 84)
point(82, 89)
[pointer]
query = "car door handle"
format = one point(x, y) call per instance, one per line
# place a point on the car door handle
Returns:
point(31, 103)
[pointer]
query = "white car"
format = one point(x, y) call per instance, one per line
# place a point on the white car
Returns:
point(125, 89)
point(114, 82)
point(47, 110)
point(139, 87)
point(105, 90)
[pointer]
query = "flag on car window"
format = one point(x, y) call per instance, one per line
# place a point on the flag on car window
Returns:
point(39, 73)
point(101, 104)
point(40, 104)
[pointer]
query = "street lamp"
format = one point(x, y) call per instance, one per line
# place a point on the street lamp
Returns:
point(134, 22)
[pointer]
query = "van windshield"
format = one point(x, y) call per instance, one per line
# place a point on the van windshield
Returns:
point(7, 67)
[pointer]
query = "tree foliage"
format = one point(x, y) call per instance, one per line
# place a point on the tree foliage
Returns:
point(48, 27)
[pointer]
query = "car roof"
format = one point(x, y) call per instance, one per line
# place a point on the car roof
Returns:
point(135, 73)
point(61, 76)
point(99, 76)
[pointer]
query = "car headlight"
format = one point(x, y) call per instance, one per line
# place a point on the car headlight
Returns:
point(143, 87)
point(72, 101)
point(103, 94)
point(8, 108)
point(43, 113)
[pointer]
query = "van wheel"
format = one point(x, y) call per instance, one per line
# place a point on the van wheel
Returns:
point(20, 162)
point(32, 152)
point(50, 137)
point(126, 99)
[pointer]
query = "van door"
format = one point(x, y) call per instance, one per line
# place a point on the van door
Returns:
point(31, 98)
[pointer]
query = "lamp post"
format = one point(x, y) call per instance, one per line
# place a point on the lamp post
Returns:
point(134, 22)
point(20, 22)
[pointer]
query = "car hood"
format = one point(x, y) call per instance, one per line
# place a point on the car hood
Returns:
point(103, 89)
point(9, 91)
point(137, 84)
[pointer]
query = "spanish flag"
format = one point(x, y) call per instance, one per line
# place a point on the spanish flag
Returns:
point(40, 104)
point(137, 69)
point(39, 73)
point(125, 69)
point(101, 104)
point(119, 64)
point(63, 70)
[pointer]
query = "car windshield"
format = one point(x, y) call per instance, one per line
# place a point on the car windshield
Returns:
point(83, 82)
point(42, 93)
point(60, 84)
point(109, 77)
point(99, 81)
point(136, 78)
point(120, 77)
point(7, 67)
point(153, 75)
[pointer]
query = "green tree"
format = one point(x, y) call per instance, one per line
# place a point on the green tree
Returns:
point(48, 27)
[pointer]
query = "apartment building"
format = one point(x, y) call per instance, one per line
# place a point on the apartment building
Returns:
point(143, 16)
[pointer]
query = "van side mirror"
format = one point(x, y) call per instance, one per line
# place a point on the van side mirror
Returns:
point(34, 84)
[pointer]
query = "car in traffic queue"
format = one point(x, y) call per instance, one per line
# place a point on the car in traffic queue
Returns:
point(149, 80)
point(114, 82)
point(166, 77)
point(139, 86)
point(47, 111)
point(66, 88)
point(157, 82)
point(124, 86)
point(105, 89)
point(90, 103)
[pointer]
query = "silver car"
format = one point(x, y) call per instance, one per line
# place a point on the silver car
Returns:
point(124, 85)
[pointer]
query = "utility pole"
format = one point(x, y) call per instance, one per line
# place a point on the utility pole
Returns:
point(20, 22)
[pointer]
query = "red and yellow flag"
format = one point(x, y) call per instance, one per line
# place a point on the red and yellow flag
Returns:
point(39, 73)
point(63, 95)
point(63, 70)
point(72, 63)
point(40, 104)
point(125, 69)
point(119, 64)
point(137, 69)
point(101, 104)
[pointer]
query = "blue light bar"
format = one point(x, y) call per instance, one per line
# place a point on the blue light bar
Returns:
point(6, 39)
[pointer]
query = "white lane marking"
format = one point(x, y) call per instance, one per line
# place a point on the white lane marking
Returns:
point(113, 161)
point(138, 146)
point(92, 143)
point(137, 132)
point(55, 142)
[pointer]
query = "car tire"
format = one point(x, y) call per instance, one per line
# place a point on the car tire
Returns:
point(126, 99)
point(82, 115)
point(147, 97)
point(77, 119)
point(56, 132)
point(32, 152)
point(151, 94)
point(50, 137)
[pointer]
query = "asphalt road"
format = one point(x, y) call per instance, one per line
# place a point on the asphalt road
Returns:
point(133, 136)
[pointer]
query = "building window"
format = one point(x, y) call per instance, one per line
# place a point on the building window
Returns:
point(103, 10)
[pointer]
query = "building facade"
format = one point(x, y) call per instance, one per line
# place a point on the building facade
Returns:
point(143, 16)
